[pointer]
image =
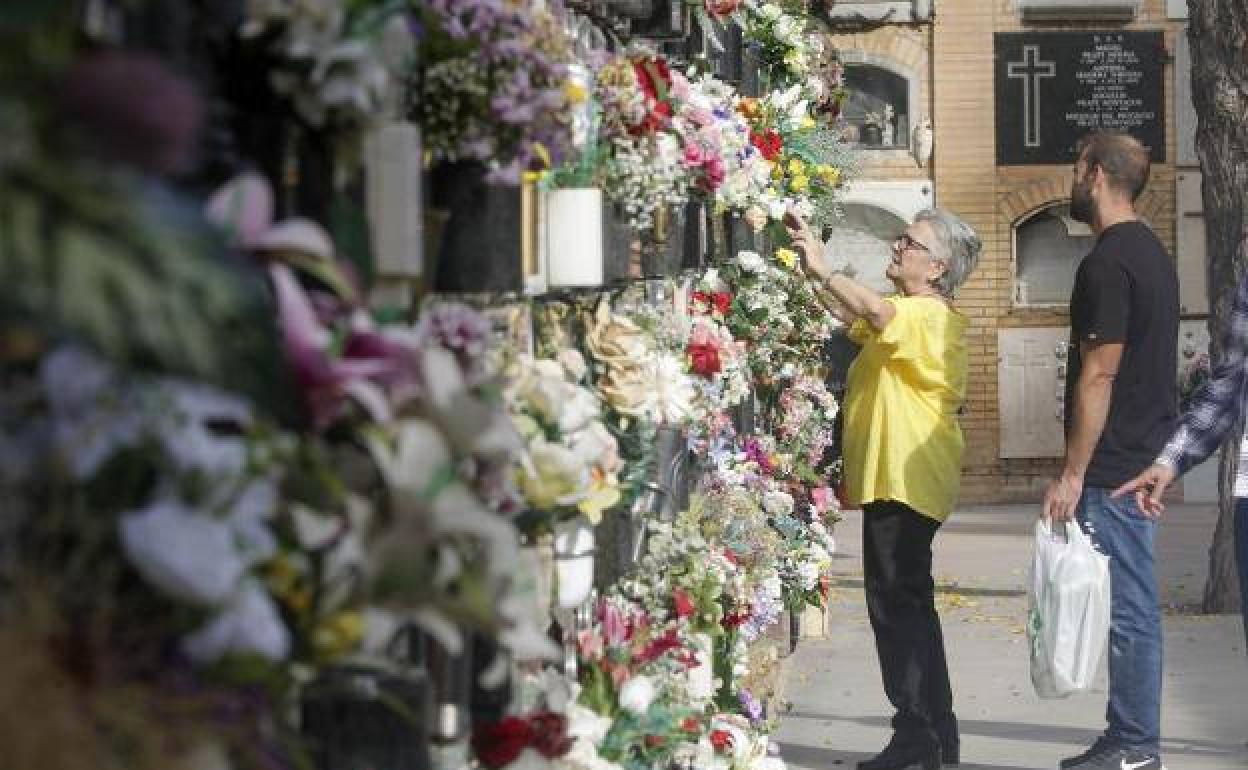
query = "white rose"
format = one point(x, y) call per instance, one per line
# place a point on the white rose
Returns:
point(771, 12)
point(750, 261)
point(579, 408)
point(556, 476)
point(596, 444)
point(637, 694)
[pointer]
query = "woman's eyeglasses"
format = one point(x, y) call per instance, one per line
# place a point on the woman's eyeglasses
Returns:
point(904, 242)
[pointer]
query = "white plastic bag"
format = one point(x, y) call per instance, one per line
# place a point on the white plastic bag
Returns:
point(1070, 607)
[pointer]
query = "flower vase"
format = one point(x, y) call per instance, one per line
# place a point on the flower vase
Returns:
point(872, 135)
point(574, 561)
point(729, 63)
point(572, 238)
point(482, 231)
point(663, 254)
point(702, 673)
point(738, 234)
point(672, 469)
point(618, 239)
point(743, 415)
point(350, 720)
point(538, 560)
point(694, 251)
point(751, 71)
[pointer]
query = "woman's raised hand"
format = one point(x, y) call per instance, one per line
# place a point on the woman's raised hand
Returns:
point(807, 244)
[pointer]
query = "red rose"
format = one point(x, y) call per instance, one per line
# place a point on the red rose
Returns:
point(722, 301)
point(691, 725)
point(721, 740)
point(704, 359)
point(720, 8)
point(655, 79)
point(498, 744)
point(769, 143)
point(550, 734)
point(684, 604)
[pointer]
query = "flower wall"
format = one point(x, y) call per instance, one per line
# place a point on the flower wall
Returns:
point(241, 493)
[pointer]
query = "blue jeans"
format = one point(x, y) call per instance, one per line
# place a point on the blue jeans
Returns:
point(1135, 644)
point(1241, 558)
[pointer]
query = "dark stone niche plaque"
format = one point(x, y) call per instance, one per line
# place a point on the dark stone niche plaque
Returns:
point(1054, 87)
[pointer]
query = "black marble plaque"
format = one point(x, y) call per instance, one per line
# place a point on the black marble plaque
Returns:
point(1054, 87)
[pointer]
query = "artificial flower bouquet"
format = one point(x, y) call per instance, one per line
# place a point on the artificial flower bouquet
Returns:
point(327, 58)
point(778, 30)
point(496, 85)
point(571, 459)
point(643, 156)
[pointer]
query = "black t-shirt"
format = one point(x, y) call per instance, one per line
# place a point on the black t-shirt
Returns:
point(1126, 291)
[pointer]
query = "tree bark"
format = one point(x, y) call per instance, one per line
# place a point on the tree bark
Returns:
point(1218, 32)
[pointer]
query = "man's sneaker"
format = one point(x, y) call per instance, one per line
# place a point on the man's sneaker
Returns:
point(1105, 756)
point(1100, 747)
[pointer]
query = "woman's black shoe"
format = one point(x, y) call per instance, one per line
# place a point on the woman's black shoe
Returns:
point(905, 753)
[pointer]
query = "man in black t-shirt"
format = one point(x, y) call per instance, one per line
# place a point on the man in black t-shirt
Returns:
point(1121, 406)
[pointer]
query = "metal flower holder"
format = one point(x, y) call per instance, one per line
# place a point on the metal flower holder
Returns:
point(478, 231)
point(357, 717)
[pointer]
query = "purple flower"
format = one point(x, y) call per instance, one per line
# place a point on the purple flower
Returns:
point(750, 706)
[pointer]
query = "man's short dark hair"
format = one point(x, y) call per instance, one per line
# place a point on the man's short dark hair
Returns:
point(1123, 158)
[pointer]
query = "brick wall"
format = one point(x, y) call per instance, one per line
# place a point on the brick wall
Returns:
point(957, 91)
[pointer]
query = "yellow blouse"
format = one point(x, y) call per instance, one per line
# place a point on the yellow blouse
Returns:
point(902, 440)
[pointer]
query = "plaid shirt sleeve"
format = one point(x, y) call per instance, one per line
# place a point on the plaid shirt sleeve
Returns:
point(1214, 407)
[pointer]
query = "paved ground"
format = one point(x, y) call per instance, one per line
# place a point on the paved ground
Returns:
point(838, 713)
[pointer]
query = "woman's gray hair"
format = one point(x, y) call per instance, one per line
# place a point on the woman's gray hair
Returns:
point(958, 247)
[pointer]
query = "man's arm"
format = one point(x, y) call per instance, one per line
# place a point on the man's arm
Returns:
point(1091, 411)
point(1211, 413)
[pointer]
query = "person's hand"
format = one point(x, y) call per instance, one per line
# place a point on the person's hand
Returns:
point(1062, 497)
point(807, 244)
point(1148, 488)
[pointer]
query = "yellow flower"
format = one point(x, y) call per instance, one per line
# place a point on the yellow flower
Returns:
point(807, 123)
point(574, 92)
point(339, 633)
point(777, 171)
point(786, 257)
point(799, 184)
point(796, 166)
point(604, 493)
point(830, 174)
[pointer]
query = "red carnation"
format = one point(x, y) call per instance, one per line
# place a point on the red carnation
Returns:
point(722, 301)
point(721, 740)
point(768, 143)
point(684, 604)
point(704, 359)
point(498, 744)
point(549, 733)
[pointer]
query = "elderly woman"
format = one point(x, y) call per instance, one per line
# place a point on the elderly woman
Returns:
point(903, 457)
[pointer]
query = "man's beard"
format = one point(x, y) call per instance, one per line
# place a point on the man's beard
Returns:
point(1081, 207)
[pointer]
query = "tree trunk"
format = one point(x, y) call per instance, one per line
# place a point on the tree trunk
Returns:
point(1218, 32)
